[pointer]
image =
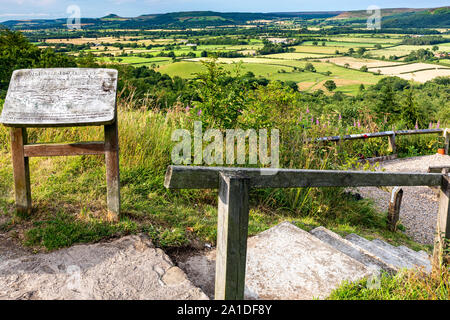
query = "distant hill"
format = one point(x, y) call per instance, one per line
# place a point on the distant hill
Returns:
point(402, 17)
point(392, 18)
point(364, 14)
point(174, 19)
point(431, 18)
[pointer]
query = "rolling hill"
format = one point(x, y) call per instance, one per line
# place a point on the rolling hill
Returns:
point(392, 18)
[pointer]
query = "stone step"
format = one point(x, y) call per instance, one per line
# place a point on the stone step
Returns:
point(402, 254)
point(387, 256)
point(283, 262)
point(356, 252)
point(420, 255)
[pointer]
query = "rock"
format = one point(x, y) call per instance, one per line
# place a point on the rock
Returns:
point(283, 262)
point(125, 269)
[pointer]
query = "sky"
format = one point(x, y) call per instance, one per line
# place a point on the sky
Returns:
point(51, 9)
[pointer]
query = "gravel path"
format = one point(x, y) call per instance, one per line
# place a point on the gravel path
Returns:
point(419, 204)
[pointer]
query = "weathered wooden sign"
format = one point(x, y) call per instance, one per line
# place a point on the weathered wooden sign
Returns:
point(62, 98)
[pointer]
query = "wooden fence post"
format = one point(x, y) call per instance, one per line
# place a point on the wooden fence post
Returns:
point(443, 225)
point(447, 140)
point(392, 146)
point(232, 231)
point(21, 170)
point(112, 170)
point(394, 207)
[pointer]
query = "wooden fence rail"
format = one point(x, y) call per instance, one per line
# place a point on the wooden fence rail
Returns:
point(233, 209)
point(391, 135)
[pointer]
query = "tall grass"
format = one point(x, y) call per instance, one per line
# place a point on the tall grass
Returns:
point(406, 285)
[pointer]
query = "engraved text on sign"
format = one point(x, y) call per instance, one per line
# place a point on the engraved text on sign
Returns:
point(60, 97)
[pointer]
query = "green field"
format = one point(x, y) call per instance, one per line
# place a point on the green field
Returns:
point(347, 80)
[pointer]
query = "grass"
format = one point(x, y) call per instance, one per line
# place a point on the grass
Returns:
point(406, 285)
point(69, 194)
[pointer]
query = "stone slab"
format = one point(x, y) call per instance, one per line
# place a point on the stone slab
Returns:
point(387, 256)
point(419, 254)
point(129, 268)
point(60, 97)
point(403, 254)
point(352, 250)
point(283, 262)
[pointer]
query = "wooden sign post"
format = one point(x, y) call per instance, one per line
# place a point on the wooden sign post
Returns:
point(62, 98)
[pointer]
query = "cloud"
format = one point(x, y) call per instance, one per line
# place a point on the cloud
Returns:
point(29, 2)
point(24, 15)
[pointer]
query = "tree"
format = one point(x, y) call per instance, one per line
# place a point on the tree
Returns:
point(310, 67)
point(330, 85)
point(361, 51)
point(16, 52)
point(435, 48)
point(351, 51)
point(364, 69)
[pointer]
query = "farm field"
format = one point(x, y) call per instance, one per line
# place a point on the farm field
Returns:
point(418, 72)
point(406, 68)
point(294, 55)
point(328, 50)
point(404, 50)
point(347, 80)
point(357, 63)
point(426, 75)
point(181, 55)
point(367, 39)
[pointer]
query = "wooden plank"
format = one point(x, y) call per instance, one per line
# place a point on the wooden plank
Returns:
point(232, 231)
point(192, 177)
point(112, 170)
point(443, 227)
point(21, 171)
point(419, 131)
point(379, 134)
point(60, 97)
point(72, 149)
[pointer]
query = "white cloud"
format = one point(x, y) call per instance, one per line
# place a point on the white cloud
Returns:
point(24, 15)
point(29, 2)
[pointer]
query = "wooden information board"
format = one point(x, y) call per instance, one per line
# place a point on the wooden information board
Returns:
point(62, 98)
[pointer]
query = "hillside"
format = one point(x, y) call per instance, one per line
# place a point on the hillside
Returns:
point(363, 13)
point(174, 19)
point(400, 17)
point(439, 17)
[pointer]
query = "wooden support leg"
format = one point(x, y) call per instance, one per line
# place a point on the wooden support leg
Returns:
point(21, 171)
point(447, 140)
point(392, 146)
point(112, 170)
point(232, 231)
point(394, 208)
point(443, 226)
